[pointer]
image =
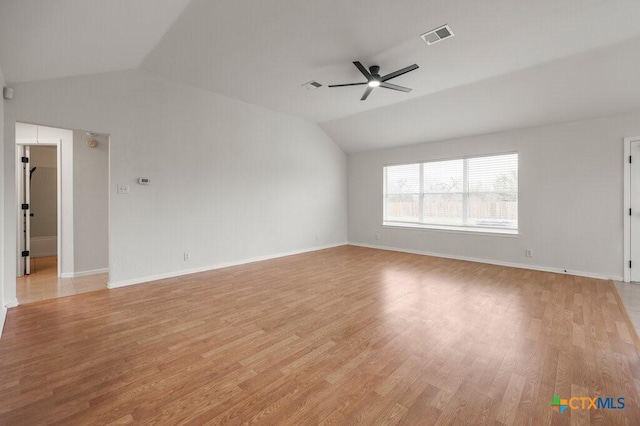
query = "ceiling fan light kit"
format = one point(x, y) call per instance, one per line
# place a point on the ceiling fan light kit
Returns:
point(374, 79)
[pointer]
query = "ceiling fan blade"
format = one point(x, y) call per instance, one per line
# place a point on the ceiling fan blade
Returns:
point(399, 72)
point(348, 84)
point(366, 93)
point(394, 87)
point(363, 70)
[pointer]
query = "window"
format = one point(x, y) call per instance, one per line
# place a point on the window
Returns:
point(478, 193)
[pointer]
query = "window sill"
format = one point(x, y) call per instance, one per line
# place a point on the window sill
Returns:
point(494, 232)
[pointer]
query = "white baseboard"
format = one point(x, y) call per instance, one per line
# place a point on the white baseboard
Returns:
point(44, 246)
point(174, 274)
point(3, 313)
point(495, 262)
point(3, 317)
point(83, 273)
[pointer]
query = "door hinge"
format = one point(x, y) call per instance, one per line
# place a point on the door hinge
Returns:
point(26, 207)
point(25, 159)
point(629, 264)
point(629, 212)
point(25, 253)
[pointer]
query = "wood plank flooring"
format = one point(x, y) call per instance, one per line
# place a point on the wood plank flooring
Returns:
point(44, 283)
point(341, 336)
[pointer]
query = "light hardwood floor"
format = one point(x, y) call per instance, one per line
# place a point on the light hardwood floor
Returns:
point(339, 336)
point(630, 296)
point(44, 283)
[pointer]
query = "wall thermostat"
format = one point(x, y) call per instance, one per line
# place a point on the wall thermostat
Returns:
point(144, 181)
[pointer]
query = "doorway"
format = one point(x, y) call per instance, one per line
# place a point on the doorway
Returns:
point(62, 181)
point(39, 203)
point(632, 209)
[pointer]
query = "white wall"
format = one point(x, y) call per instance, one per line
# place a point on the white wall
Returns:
point(44, 201)
point(66, 236)
point(90, 203)
point(571, 205)
point(44, 192)
point(230, 181)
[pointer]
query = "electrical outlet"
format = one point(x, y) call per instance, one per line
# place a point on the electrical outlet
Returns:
point(528, 252)
point(317, 238)
point(123, 189)
point(187, 257)
point(377, 237)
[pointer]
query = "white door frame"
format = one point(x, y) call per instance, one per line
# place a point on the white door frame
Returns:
point(627, 205)
point(39, 142)
point(26, 213)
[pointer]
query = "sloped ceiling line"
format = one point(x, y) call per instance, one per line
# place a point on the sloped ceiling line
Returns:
point(263, 51)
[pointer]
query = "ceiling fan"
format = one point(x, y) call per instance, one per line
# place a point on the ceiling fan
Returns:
point(375, 80)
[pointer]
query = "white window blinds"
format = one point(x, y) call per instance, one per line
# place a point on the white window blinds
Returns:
point(478, 192)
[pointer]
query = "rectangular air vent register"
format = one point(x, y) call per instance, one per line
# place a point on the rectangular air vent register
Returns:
point(312, 85)
point(437, 35)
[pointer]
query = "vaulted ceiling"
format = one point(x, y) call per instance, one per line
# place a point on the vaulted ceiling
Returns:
point(512, 63)
point(43, 39)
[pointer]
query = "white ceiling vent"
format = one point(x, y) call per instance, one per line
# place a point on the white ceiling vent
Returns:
point(312, 85)
point(437, 35)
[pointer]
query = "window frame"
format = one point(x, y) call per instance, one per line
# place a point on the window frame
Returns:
point(476, 229)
